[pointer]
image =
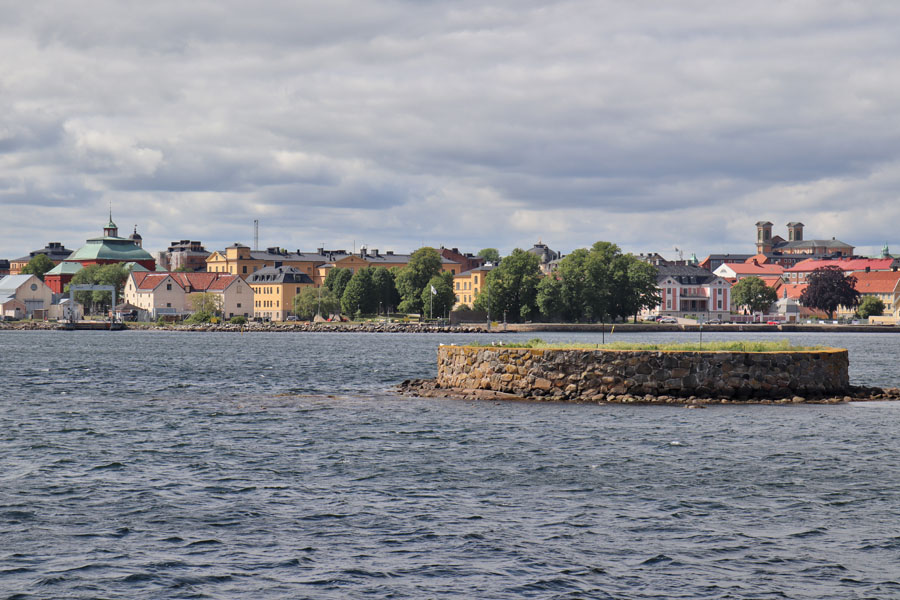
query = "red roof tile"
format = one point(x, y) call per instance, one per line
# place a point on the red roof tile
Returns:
point(846, 264)
point(877, 282)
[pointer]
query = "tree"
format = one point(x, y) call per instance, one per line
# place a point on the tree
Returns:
point(510, 290)
point(385, 289)
point(753, 293)
point(337, 279)
point(490, 255)
point(829, 288)
point(549, 298)
point(39, 265)
point(601, 283)
point(311, 301)
point(114, 274)
point(206, 302)
point(642, 291)
point(442, 299)
point(871, 306)
point(424, 264)
point(359, 294)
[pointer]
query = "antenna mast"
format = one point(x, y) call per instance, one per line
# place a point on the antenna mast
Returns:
point(256, 234)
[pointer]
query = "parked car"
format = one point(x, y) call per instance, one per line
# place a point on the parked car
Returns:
point(668, 320)
point(292, 318)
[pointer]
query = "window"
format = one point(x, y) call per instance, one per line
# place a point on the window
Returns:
point(245, 268)
point(239, 305)
point(168, 305)
point(169, 287)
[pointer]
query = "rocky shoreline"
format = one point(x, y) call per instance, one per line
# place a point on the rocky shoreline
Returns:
point(373, 327)
point(429, 388)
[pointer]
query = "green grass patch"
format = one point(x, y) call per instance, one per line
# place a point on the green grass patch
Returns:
point(735, 346)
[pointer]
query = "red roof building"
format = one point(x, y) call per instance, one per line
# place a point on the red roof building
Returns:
point(799, 272)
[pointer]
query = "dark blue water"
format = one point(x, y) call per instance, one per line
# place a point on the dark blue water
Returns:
point(172, 465)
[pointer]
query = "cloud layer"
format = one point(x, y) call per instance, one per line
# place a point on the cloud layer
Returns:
point(469, 124)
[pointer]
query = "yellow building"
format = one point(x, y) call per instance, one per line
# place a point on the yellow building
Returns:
point(238, 259)
point(274, 289)
point(468, 285)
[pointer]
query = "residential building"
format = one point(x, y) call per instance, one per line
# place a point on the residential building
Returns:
point(800, 272)
point(688, 290)
point(30, 293)
point(884, 285)
point(238, 259)
point(184, 255)
point(55, 251)
point(468, 285)
point(171, 293)
point(274, 289)
point(110, 249)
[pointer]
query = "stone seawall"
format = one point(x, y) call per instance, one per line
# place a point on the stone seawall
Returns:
point(596, 375)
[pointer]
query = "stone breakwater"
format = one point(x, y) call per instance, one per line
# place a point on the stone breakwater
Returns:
point(619, 375)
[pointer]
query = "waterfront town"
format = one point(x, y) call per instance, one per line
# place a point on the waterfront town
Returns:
point(276, 284)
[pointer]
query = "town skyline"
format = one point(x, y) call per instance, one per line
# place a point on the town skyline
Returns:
point(499, 124)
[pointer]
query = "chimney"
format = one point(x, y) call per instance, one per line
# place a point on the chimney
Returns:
point(320, 250)
point(375, 252)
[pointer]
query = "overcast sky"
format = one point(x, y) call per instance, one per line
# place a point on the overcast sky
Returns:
point(392, 124)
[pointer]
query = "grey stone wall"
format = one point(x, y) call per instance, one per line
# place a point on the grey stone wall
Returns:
point(591, 375)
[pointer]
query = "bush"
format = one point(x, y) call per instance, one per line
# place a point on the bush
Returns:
point(238, 320)
point(198, 318)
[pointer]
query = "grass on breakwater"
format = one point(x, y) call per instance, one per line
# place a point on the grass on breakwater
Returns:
point(735, 346)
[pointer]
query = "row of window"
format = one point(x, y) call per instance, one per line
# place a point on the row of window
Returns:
point(267, 304)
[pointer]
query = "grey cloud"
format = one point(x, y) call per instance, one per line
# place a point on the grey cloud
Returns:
point(503, 121)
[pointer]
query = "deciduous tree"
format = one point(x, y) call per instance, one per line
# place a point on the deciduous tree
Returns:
point(871, 306)
point(491, 255)
point(439, 303)
point(311, 301)
point(424, 264)
point(359, 295)
point(38, 265)
point(337, 279)
point(510, 290)
point(828, 288)
point(753, 293)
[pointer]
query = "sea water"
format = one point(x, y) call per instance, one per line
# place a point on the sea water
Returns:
point(280, 465)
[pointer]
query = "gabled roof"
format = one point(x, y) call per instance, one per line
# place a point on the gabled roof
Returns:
point(11, 283)
point(877, 282)
point(144, 280)
point(845, 264)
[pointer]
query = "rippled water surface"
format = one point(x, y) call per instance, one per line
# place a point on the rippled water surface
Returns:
point(175, 465)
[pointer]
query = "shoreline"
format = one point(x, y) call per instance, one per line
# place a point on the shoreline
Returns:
point(376, 327)
point(429, 388)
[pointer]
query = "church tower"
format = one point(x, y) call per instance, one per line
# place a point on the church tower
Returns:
point(763, 237)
